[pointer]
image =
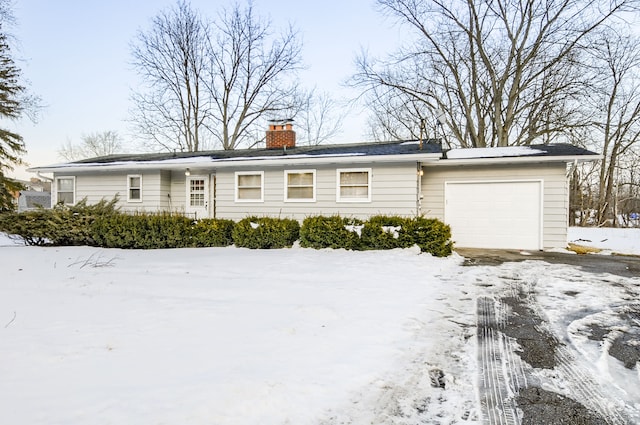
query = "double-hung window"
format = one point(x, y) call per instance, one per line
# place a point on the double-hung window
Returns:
point(249, 186)
point(134, 188)
point(354, 185)
point(300, 185)
point(65, 190)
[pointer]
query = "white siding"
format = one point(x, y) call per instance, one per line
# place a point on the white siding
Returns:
point(555, 191)
point(393, 191)
point(106, 185)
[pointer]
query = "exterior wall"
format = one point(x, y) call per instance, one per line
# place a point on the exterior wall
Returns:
point(555, 191)
point(105, 185)
point(177, 189)
point(393, 192)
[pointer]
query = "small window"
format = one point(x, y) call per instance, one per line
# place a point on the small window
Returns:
point(66, 190)
point(300, 185)
point(134, 189)
point(197, 192)
point(354, 185)
point(249, 186)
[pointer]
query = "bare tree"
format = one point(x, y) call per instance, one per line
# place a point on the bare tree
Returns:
point(171, 57)
point(249, 74)
point(503, 72)
point(614, 107)
point(92, 145)
point(212, 82)
point(319, 119)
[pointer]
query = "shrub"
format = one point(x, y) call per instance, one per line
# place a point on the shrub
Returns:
point(431, 235)
point(143, 231)
point(212, 232)
point(265, 232)
point(385, 232)
point(62, 225)
point(329, 232)
point(33, 226)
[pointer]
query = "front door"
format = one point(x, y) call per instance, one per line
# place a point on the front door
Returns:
point(197, 202)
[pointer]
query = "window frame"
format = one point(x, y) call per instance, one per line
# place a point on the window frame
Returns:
point(342, 199)
point(286, 185)
point(238, 188)
point(129, 177)
point(73, 191)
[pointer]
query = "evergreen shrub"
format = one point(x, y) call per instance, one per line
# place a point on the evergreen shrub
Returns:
point(379, 232)
point(143, 231)
point(431, 235)
point(265, 232)
point(386, 232)
point(330, 232)
point(212, 232)
point(61, 225)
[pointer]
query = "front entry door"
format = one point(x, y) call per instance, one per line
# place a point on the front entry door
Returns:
point(197, 204)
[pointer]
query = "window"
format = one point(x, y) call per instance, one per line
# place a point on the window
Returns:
point(134, 189)
point(354, 185)
point(300, 185)
point(197, 191)
point(249, 186)
point(65, 190)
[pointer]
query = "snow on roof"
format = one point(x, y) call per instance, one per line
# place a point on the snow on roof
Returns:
point(499, 152)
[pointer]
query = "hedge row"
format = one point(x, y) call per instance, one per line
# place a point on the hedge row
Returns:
point(379, 232)
point(103, 225)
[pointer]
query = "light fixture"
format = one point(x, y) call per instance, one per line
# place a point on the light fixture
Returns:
point(187, 172)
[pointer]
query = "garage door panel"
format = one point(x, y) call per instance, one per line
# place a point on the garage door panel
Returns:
point(494, 214)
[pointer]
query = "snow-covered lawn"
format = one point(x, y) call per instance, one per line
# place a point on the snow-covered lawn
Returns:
point(234, 336)
point(610, 240)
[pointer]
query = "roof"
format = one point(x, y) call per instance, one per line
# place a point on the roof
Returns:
point(368, 149)
point(403, 150)
point(555, 150)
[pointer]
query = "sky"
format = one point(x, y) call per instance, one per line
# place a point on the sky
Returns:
point(76, 57)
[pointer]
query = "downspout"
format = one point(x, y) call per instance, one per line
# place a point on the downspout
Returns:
point(419, 173)
point(215, 199)
point(40, 176)
point(573, 168)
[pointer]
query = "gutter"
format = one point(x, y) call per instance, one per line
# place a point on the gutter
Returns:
point(517, 160)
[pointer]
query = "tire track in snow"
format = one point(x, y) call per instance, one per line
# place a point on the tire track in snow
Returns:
point(495, 358)
point(503, 374)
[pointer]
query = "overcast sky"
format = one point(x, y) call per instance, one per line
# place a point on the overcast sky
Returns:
point(76, 56)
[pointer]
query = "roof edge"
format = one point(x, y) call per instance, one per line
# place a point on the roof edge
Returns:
point(518, 159)
point(237, 162)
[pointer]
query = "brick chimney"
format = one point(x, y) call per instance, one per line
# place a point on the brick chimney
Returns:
point(280, 134)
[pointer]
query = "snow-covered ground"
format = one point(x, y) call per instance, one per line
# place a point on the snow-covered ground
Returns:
point(237, 336)
point(610, 240)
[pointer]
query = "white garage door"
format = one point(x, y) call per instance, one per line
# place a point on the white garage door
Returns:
point(495, 214)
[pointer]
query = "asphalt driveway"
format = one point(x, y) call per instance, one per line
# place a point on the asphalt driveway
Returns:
point(620, 265)
point(536, 368)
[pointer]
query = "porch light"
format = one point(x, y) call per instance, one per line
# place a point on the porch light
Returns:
point(187, 172)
